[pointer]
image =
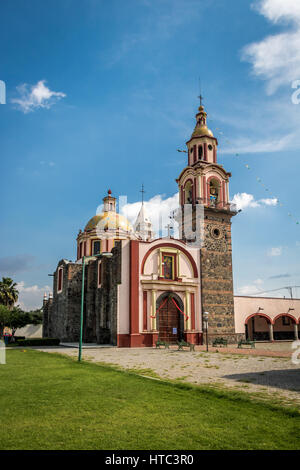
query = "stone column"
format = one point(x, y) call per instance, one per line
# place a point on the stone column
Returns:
point(271, 332)
point(296, 330)
point(187, 311)
point(153, 310)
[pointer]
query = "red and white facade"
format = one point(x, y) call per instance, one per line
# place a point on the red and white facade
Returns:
point(145, 287)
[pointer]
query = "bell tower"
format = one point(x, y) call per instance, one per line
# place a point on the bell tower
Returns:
point(203, 181)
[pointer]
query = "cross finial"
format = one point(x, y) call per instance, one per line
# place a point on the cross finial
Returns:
point(201, 99)
point(142, 191)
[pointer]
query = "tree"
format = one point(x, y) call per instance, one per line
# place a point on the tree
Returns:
point(35, 317)
point(8, 292)
point(18, 319)
point(4, 318)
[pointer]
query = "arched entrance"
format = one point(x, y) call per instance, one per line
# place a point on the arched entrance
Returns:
point(284, 327)
point(257, 327)
point(170, 321)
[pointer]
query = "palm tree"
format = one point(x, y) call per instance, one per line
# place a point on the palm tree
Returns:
point(8, 292)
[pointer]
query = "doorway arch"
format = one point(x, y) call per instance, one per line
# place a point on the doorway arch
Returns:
point(257, 327)
point(170, 321)
point(284, 327)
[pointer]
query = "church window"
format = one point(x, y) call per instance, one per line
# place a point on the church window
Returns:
point(60, 280)
point(96, 247)
point(168, 265)
point(80, 250)
point(192, 150)
point(210, 147)
point(200, 151)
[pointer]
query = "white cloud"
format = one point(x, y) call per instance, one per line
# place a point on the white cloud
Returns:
point(277, 58)
point(248, 289)
point(158, 209)
point(269, 201)
point(254, 288)
point(277, 10)
point(37, 96)
point(246, 145)
point(31, 297)
point(245, 200)
point(275, 251)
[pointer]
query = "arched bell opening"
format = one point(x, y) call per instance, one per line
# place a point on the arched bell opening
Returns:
point(188, 190)
point(214, 192)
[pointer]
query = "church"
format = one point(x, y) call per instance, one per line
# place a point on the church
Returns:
point(138, 288)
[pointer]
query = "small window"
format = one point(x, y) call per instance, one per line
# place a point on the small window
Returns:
point(96, 247)
point(192, 150)
point(286, 321)
point(60, 280)
point(80, 250)
point(200, 151)
point(210, 147)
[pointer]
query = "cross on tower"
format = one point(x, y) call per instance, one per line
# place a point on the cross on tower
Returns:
point(201, 99)
point(142, 191)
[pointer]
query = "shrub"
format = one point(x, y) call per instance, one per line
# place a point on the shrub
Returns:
point(38, 342)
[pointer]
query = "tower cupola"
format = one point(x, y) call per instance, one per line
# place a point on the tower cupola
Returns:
point(202, 146)
point(201, 128)
point(109, 202)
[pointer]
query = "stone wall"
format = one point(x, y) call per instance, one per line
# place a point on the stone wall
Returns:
point(216, 274)
point(62, 315)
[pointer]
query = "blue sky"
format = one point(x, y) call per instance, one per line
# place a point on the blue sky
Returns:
point(101, 94)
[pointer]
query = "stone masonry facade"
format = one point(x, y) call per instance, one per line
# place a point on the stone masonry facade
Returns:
point(216, 274)
point(62, 313)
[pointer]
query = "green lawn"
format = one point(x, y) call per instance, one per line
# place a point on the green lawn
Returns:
point(52, 402)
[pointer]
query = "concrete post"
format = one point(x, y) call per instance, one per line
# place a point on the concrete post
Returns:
point(296, 331)
point(271, 332)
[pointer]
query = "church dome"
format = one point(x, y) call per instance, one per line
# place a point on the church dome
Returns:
point(109, 221)
point(203, 130)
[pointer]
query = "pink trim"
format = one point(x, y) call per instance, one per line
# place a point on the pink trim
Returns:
point(145, 299)
point(285, 315)
point(269, 320)
point(134, 287)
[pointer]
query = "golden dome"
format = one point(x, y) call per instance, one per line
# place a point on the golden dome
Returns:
point(202, 130)
point(109, 221)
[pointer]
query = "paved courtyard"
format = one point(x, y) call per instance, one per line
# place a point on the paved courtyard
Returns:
point(257, 372)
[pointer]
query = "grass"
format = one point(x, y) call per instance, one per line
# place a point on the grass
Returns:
point(49, 401)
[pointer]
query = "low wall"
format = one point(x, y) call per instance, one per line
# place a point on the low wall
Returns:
point(30, 331)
